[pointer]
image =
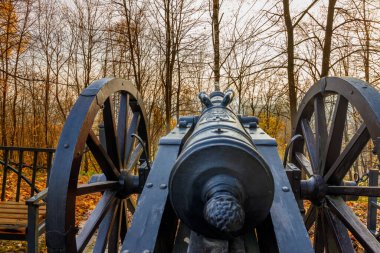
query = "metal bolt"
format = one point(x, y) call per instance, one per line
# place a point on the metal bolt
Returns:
point(182, 124)
point(285, 188)
point(147, 251)
point(218, 131)
point(66, 145)
point(252, 125)
point(149, 185)
point(163, 186)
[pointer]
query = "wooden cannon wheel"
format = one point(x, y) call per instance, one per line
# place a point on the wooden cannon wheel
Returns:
point(326, 153)
point(118, 104)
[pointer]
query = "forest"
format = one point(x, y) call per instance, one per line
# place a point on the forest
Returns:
point(268, 52)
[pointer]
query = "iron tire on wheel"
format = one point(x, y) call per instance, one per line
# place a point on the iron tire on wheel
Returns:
point(116, 160)
point(326, 161)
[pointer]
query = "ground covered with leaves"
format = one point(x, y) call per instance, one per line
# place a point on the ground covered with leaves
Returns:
point(360, 208)
point(86, 203)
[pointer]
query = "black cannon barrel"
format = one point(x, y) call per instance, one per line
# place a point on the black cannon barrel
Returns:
point(220, 186)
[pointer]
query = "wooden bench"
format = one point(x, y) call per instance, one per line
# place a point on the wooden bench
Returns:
point(14, 217)
point(23, 218)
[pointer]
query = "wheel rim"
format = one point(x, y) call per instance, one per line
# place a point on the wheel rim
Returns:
point(326, 159)
point(123, 114)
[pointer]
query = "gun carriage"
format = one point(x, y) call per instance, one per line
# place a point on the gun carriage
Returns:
point(217, 183)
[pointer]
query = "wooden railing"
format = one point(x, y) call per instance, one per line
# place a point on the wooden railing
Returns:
point(22, 216)
point(373, 204)
point(20, 159)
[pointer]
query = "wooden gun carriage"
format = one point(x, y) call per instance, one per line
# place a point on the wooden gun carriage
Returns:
point(217, 183)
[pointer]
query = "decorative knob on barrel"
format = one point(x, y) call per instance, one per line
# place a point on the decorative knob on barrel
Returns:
point(223, 196)
point(224, 212)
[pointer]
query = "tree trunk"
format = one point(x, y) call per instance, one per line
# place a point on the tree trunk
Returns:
point(179, 87)
point(290, 68)
point(216, 43)
point(168, 74)
point(46, 108)
point(367, 43)
point(328, 37)
point(133, 45)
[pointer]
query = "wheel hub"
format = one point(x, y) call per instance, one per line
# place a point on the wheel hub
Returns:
point(128, 184)
point(314, 189)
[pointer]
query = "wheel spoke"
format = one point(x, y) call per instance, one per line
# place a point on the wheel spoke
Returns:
point(304, 163)
point(319, 235)
point(101, 156)
point(124, 220)
point(320, 132)
point(348, 156)
point(334, 143)
point(122, 125)
point(94, 220)
point(110, 133)
point(105, 228)
point(310, 217)
point(135, 157)
point(337, 236)
point(354, 225)
point(96, 187)
point(310, 143)
point(113, 239)
point(132, 130)
point(370, 191)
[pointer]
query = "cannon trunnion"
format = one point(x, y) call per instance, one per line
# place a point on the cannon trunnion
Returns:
point(217, 183)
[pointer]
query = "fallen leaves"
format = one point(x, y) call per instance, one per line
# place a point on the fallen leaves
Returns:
point(360, 208)
point(85, 204)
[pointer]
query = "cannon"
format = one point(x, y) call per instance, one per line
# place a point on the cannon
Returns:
point(217, 183)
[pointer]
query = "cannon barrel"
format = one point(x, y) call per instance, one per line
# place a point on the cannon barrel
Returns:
point(220, 186)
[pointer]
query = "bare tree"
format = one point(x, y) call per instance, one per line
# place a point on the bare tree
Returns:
point(292, 90)
point(215, 42)
point(21, 43)
point(8, 32)
point(328, 38)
